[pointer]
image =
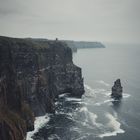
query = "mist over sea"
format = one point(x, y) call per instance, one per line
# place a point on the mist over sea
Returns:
point(97, 116)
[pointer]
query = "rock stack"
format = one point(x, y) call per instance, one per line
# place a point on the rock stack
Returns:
point(117, 90)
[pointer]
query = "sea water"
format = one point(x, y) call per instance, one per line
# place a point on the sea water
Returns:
point(97, 116)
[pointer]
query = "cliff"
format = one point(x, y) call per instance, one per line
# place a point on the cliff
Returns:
point(32, 75)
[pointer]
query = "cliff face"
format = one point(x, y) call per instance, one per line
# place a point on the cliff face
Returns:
point(15, 115)
point(32, 75)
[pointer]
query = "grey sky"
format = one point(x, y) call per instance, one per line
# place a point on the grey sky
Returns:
point(96, 20)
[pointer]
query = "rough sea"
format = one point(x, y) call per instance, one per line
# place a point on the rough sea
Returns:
point(97, 116)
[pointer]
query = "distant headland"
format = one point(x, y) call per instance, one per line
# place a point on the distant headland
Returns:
point(74, 45)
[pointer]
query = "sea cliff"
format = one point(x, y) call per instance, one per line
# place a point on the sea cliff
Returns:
point(32, 75)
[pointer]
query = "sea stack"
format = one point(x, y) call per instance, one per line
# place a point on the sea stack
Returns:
point(117, 89)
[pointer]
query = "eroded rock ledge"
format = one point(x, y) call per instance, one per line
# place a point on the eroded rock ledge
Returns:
point(32, 75)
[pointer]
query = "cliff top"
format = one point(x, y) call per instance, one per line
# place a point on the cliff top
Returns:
point(29, 42)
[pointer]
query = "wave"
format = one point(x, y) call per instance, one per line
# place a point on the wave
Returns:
point(103, 83)
point(126, 95)
point(76, 129)
point(82, 138)
point(73, 99)
point(93, 92)
point(89, 91)
point(63, 95)
point(89, 88)
point(100, 90)
point(106, 93)
point(104, 102)
point(54, 137)
point(39, 123)
point(113, 124)
point(90, 117)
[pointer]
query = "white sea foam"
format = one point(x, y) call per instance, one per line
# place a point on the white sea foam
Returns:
point(73, 99)
point(106, 93)
point(103, 102)
point(99, 90)
point(89, 88)
point(63, 95)
point(39, 123)
point(54, 136)
point(90, 117)
point(103, 83)
point(93, 117)
point(83, 109)
point(126, 95)
point(82, 138)
point(76, 129)
point(113, 124)
point(90, 91)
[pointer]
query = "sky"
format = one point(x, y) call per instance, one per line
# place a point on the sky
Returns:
point(90, 20)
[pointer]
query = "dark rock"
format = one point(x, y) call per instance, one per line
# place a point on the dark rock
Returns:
point(117, 90)
point(15, 118)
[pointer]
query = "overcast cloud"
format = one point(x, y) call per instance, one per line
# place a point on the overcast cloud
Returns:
point(95, 20)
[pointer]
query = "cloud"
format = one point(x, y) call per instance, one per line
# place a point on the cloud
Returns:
point(104, 20)
point(9, 7)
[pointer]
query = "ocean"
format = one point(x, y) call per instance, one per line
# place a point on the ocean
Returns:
point(97, 116)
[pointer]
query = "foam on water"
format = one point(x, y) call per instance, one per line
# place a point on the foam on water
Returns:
point(99, 90)
point(103, 102)
point(90, 117)
point(88, 87)
point(82, 138)
point(73, 99)
point(76, 129)
point(54, 137)
point(84, 109)
point(113, 124)
point(93, 117)
point(106, 93)
point(126, 95)
point(103, 83)
point(90, 91)
point(63, 95)
point(39, 123)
